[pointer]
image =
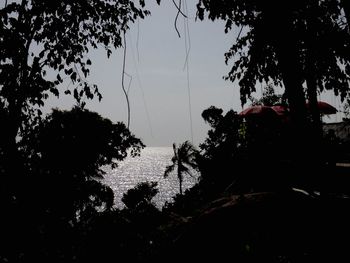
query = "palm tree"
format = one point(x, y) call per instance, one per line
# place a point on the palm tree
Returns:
point(185, 160)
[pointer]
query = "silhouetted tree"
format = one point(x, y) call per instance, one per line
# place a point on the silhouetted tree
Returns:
point(140, 195)
point(71, 147)
point(184, 160)
point(43, 43)
point(62, 190)
point(291, 43)
point(221, 149)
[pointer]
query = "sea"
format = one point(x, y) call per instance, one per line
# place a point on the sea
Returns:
point(149, 166)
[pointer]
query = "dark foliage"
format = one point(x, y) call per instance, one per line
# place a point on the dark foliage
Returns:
point(61, 191)
point(83, 141)
point(219, 161)
point(55, 207)
point(44, 47)
point(269, 97)
point(290, 43)
point(140, 195)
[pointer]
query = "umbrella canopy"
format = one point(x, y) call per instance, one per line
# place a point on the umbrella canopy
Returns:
point(259, 111)
point(280, 110)
point(324, 107)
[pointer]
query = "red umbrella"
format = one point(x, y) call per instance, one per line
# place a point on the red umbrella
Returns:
point(280, 110)
point(324, 107)
point(258, 110)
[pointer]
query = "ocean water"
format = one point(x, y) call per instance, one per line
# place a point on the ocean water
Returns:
point(150, 166)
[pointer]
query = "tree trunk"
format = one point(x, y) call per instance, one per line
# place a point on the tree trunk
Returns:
point(287, 53)
point(311, 83)
point(311, 76)
point(179, 175)
point(290, 67)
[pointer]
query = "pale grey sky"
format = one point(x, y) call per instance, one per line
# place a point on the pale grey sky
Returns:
point(158, 92)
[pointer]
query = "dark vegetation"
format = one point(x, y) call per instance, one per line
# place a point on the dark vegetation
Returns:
point(268, 191)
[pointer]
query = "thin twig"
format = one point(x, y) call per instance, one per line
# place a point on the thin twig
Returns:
point(239, 34)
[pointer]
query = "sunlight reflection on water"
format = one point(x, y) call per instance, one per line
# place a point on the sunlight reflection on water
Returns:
point(149, 166)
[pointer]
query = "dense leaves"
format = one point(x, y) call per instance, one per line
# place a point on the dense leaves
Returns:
point(83, 141)
point(71, 147)
point(221, 149)
point(269, 97)
point(140, 196)
point(44, 47)
point(290, 44)
point(61, 188)
point(51, 167)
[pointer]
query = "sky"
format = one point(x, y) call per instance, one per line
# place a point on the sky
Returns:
point(160, 85)
point(158, 93)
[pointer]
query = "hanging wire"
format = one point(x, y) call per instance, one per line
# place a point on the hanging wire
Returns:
point(178, 7)
point(137, 40)
point(129, 86)
point(188, 47)
point(123, 76)
point(187, 35)
point(141, 88)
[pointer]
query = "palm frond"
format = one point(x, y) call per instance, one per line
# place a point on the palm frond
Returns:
point(189, 173)
point(175, 150)
point(168, 170)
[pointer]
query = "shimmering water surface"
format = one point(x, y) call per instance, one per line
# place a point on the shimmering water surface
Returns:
point(150, 166)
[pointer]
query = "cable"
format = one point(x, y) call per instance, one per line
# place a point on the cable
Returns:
point(123, 74)
point(188, 46)
point(137, 40)
point(177, 16)
point(187, 36)
point(129, 86)
point(141, 88)
point(178, 7)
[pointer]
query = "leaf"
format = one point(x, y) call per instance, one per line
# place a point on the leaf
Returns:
point(73, 76)
point(59, 78)
point(55, 92)
point(76, 95)
point(68, 71)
